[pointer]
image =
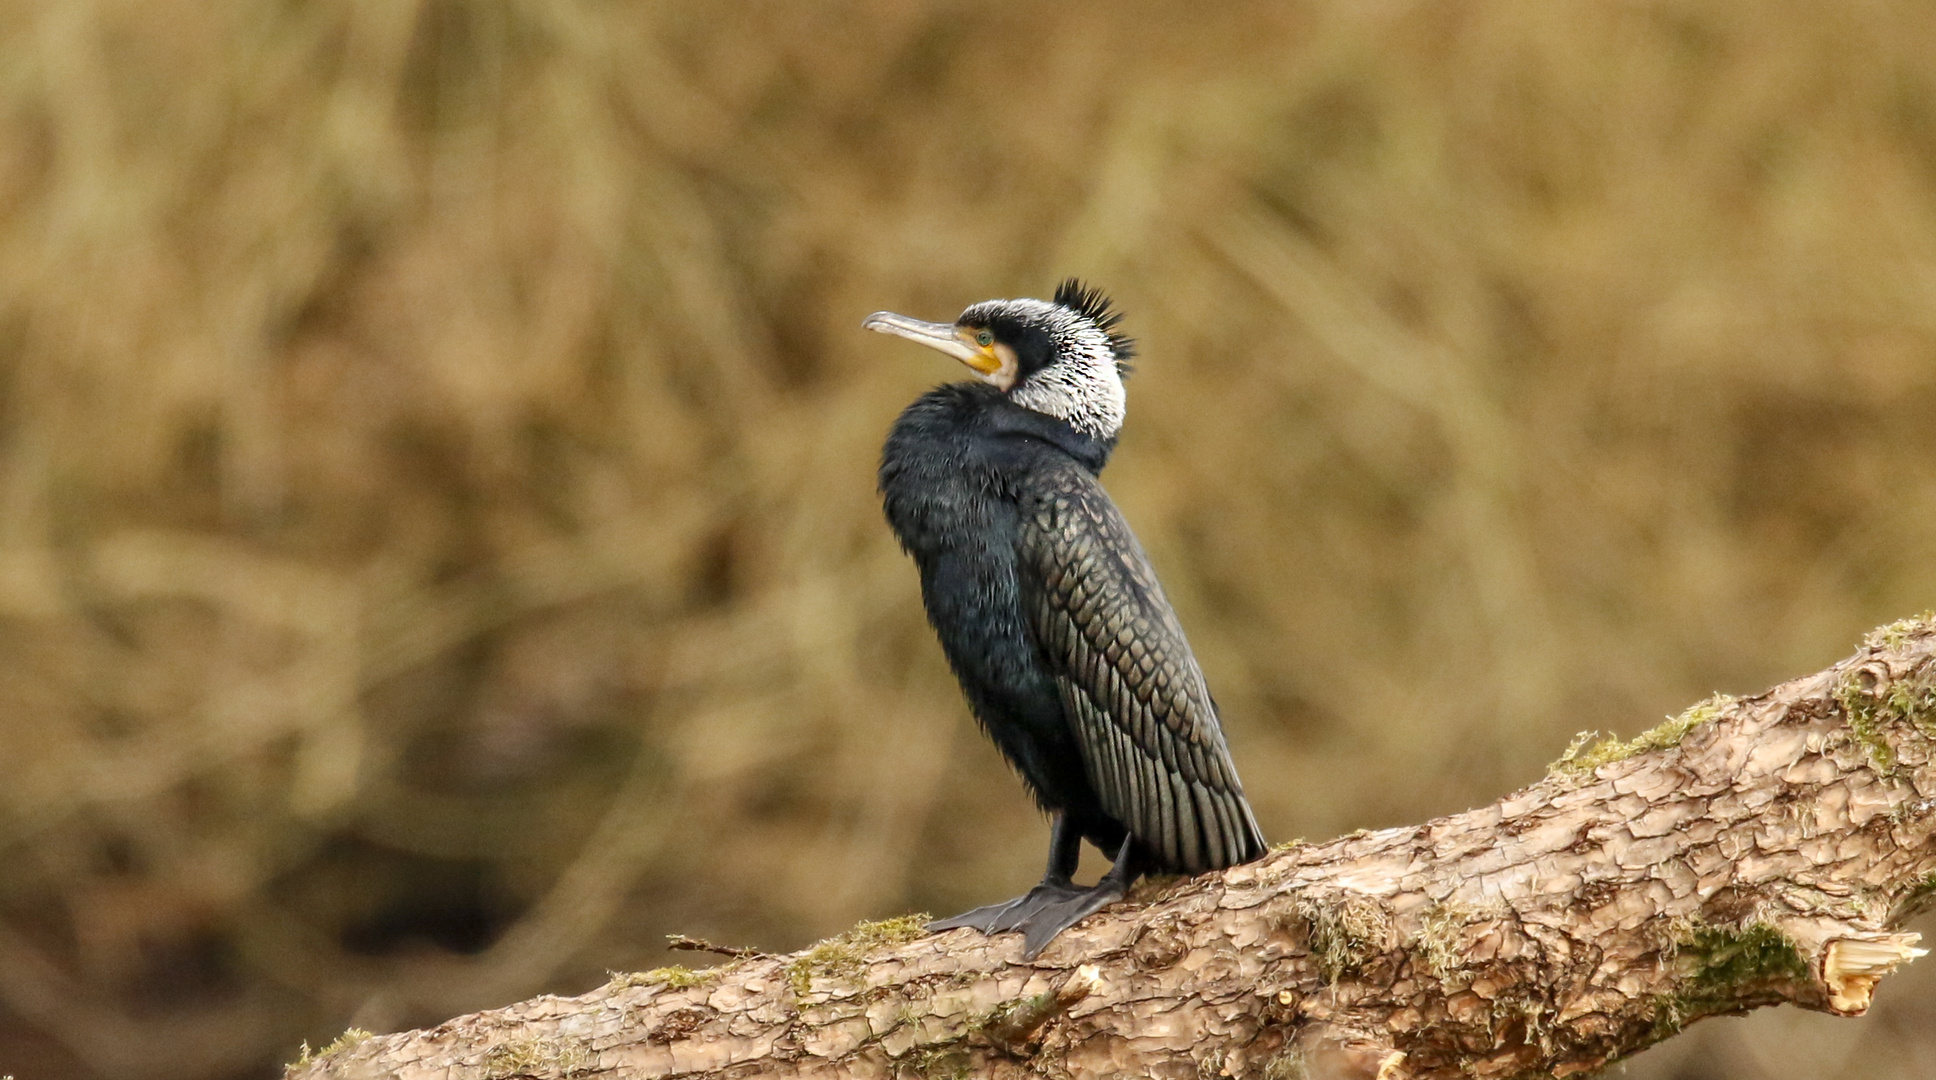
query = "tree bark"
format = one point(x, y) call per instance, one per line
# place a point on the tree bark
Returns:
point(1750, 852)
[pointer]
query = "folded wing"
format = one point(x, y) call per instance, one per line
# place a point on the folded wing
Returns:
point(1130, 685)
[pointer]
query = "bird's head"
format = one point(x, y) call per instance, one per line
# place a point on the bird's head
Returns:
point(1058, 357)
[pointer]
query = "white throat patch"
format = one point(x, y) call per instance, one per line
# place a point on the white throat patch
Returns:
point(1082, 387)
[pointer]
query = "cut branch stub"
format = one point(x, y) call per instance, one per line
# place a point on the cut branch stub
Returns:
point(1750, 852)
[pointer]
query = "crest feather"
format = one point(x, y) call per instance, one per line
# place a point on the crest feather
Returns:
point(1094, 305)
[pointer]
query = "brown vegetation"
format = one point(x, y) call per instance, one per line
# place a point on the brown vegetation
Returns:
point(438, 552)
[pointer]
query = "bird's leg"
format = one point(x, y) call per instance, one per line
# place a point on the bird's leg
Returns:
point(1050, 919)
point(1065, 851)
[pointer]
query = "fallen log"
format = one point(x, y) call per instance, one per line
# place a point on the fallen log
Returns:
point(1750, 852)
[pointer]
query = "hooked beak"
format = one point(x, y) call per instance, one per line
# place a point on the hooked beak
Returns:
point(944, 337)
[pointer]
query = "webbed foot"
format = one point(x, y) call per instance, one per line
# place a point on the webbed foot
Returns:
point(1051, 907)
point(1052, 918)
point(1011, 914)
point(1057, 903)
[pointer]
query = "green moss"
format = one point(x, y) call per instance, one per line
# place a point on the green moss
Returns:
point(341, 1043)
point(1008, 1011)
point(943, 1063)
point(1923, 890)
point(1731, 958)
point(1009, 1021)
point(1344, 934)
point(845, 954)
point(672, 978)
point(1439, 936)
point(1859, 706)
point(1870, 709)
point(1670, 1016)
point(534, 1057)
point(1722, 964)
point(1898, 633)
point(1287, 1065)
point(1913, 699)
point(1914, 901)
point(1581, 759)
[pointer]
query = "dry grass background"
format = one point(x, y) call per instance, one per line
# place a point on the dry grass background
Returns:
point(438, 547)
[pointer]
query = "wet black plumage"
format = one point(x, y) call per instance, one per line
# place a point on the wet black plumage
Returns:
point(1047, 608)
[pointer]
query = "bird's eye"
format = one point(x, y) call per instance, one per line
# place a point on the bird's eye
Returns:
point(985, 339)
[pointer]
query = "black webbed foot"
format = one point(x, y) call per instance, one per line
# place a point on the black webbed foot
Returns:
point(1052, 918)
point(1012, 914)
point(1057, 903)
point(980, 918)
point(1051, 907)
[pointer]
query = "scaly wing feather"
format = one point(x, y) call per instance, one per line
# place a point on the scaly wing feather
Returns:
point(1130, 685)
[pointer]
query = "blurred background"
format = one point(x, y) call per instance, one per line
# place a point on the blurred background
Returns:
point(439, 554)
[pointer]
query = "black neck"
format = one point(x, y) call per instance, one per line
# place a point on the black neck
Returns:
point(1007, 418)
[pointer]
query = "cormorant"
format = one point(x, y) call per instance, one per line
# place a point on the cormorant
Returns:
point(1047, 608)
